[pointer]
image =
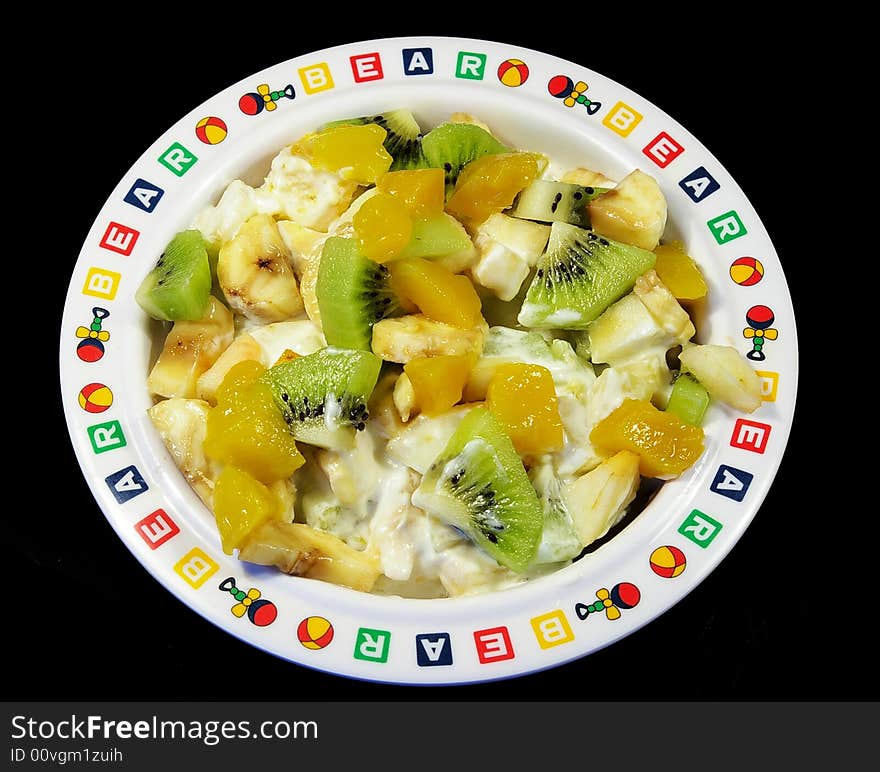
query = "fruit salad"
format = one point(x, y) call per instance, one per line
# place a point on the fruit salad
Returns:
point(427, 363)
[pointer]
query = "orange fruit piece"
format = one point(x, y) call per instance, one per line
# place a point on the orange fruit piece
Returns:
point(383, 227)
point(241, 504)
point(439, 294)
point(356, 152)
point(523, 398)
point(246, 428)
point(438, 381)
point(489, 184)
point(421, 191)
point(678, 271)
point(666, 446)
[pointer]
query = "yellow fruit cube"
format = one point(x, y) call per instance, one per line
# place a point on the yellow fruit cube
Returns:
point(383, 227)
point(678, 271)
point(439, 294)
point(489, 184)
point(356, 152)
point(438, 381)
point(523, 398)
point(241, 504)
point(666, 446)
point(247, 430)
point(421, 191)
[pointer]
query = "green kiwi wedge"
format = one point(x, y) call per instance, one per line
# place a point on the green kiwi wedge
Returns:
point(451, 146)
point(478, 485)
point(353, 294)
point(179, 285)
point(550, 201)
point(404, 137)
point(559, 539)
point(579, 275)
point(323, 396)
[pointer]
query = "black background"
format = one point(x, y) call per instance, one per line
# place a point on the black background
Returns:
point(85, 621)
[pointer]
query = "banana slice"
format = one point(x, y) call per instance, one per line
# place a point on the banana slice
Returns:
point(182, 424)
point(405, 397)
point(408, 337)
point(190, 349)
point(598, 500)
point(588, 178)
point(299, 550)
point(725, 373)
point(634, 212)
point(255, 273)
point(663, 306)
point(243, 348)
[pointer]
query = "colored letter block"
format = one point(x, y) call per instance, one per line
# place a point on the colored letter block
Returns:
point(316, 77)
point(750, 435)
point(106, 436)
point(622, 119)
point(101, 283)
point(156, 528)
point(663, 150)
point(126, 484)
point(552, 629)
point(144, 195)
point(493, 645)
point(366, 67)
point(418, 61)
point(177, 159)
point(700, 528)
point(433, 649)
point(731, 482)
point(195, 568)
point(699, 184)
point(726, 227)
point(470, 66)
point(372, 645)
point(119, 238)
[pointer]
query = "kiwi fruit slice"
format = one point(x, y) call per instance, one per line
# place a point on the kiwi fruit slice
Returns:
point(559, 539)
point(353, 294)
point(179, 285)
point(435, 237)
point(478, 485)
point(579, 275)
point(550, 201)
point(323, 396)
point(403, 140)
point(451, 146)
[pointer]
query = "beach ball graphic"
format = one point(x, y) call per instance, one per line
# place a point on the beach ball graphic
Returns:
point(95, 398)
point(211, 130)
point(513, 72)
point(315, 632)
point(746, 271)
point(668, 561)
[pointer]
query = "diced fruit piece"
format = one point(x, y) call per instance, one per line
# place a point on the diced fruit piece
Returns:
point(323, 396)
point(356, 152)
point(634, 212)
point(408, 337)
point(666, 446)
point(438, 236)
point(523, 399)
point(479, 485)
point(625, 331)
point(404, 397)
point(490, 184)
point(353, 294)
point(559, 540)
point(451, 146)
point(300, 336)
point(438, 381)
point(255, 273)
point(246, 429)
point(182, 424)
point(190, 349)
point(383, 227)
point(241, 504)
point(179, 285)
point(663, 306)
point(440, 294)
point(579, 276)
point(243, 348)
point(501, 271)
point(588, 178)
point(421, 191)
point(526, 239)
point(403, 140)
point(678, 271)
point(303, 244)
point(551, 201)
point(469, 119)
point(299, 550)
point(598, 500)
point(725, 373)
point(423, 439)
point(688, 399)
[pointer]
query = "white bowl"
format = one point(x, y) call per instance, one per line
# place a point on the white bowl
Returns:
point(531, 627)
